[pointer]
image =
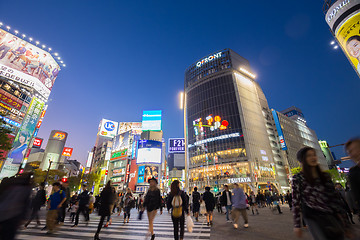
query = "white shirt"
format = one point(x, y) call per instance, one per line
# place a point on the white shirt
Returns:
point(228, 198)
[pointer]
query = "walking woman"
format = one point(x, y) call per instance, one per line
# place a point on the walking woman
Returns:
point(178, 202)
point(152, 203)
point(315, 198)
point(209, 200)
point(106, 204)
point(128, 202)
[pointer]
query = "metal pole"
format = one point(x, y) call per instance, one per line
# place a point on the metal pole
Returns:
point(47, 174)
point(186, 149)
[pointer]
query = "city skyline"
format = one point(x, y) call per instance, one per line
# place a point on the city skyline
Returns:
point(144, 64)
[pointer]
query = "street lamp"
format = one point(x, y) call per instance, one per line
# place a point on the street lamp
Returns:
point(183, 107)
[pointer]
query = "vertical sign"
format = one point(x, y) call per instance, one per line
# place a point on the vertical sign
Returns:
point(280, 132)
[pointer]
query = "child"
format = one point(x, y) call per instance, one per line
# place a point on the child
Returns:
point(73, 210)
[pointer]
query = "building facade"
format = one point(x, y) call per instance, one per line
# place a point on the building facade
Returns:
point(227, 132)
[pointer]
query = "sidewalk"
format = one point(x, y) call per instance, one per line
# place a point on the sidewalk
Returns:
point(265, 226)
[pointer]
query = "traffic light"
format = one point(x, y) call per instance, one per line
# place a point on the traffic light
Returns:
point(259, 186)
point(216, 189)
point(64, 180)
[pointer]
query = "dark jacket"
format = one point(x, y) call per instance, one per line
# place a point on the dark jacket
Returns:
point(354, 178)
point(39, 199)
point(153, 200)
point(223, 199)
point(107, 200)
point(83, 198)
point(185, 203)
point(209, 199)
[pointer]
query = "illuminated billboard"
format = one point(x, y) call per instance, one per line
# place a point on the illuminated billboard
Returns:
point(37, 142)
point(279, 129)
point(151, 120)
point(22, 62)
point(150, 172)
point(343, 18)
point(209, 124)
point(135, 127)
point(108, 128)
point(67, 152)
point(121, 141)
point(89, 160)
point(149, 152)
point(177, 145)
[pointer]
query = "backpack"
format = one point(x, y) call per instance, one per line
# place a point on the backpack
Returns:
point(177, 206)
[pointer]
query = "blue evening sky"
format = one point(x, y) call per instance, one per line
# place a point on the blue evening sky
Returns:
point(126, 56)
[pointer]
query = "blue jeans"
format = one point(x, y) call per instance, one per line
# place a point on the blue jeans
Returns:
point(228, 209)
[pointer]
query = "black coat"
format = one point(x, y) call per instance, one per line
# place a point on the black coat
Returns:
point(107, 200)
point(153, 200)
point(184, 199)
point(223, 199)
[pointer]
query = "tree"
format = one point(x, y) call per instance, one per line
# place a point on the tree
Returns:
point(54, 176)
point(91, 179)
point(5, 138)
point(74, 182)
point(337, 177)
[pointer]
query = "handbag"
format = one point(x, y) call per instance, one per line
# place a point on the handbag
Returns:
point(189, 224)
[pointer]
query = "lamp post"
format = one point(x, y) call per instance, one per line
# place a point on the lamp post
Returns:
point(183, 107)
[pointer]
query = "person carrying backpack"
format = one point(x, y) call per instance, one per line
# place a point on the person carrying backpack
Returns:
point(178, 202)
point(36, 203)
point(83, 206)
point(196, 203)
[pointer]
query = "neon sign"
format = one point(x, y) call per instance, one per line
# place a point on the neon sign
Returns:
point(213, 123)
point(208, 59)
point(226, 136)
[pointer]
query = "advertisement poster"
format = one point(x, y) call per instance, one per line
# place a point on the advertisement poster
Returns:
point(151, 120)
point(151, 171)
point(108, 128)
point(127, 126)
point(121, 141)
point(348, 36)
point(67, 152)
point(149, 151)
point(141, 172)
point(133, 175)
point(22, 139)
point(27, 64)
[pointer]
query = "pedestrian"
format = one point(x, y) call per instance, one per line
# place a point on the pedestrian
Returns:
point(112, 206)
point(288, 198)
point(196, 197)
point(37, 202)
point(352, 147)
point(83, 199)
point(209, 200)
point(153, 201)
point(106, 202)
point(177, 202)
point(128, 204)
point(73, 209)
point(239, 206)
point(91, 202)
point(253, 203)
point(276, 200)
point(55, 203)
point(14, 198)
point(315, 198)
point(282, 199)
point(226, 201)
point(341, 194)
point(218, 203)
point(62, 211)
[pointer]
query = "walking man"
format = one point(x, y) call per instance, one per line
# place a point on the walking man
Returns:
point(62, 210)
point(38, 201)
point(196, 203)
point(83, 206)
point(55, 202)
point(226, 201)
point(239, 206)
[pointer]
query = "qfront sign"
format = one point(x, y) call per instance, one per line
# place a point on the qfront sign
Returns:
point(239, 180)
point(209, 59)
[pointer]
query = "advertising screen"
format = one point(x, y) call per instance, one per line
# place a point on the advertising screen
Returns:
point(141, 173)
point(89, 160)
point(151, 171)
point(67, 152)
point(37, 142)
point(27, 64)
point(108, 128)
point(149, 152)
point(177, 145)
point(121, 141)
point(133, 174)
point(127, 126)
point(151, 120)
point(22, 139)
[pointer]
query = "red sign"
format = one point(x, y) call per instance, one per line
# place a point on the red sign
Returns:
point(133, 174)
point(37, 142)
point(10, 100)
point(67, 152)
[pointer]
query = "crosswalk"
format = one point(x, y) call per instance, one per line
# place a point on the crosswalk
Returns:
point(136, 229)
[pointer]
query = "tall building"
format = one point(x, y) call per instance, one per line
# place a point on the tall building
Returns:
point(228, 126)
point(27, 76)
point(54, 150)
point(296, 134)
point(330, 160)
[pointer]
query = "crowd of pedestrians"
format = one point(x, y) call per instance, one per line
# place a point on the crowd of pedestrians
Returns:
point(326, 209)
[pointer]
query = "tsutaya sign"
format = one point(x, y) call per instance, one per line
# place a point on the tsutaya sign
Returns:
point(209, 59)
point(239, 180)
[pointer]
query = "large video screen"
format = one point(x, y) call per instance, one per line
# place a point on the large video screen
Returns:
point(151, 120)
point(27, 64)
point(149, 152)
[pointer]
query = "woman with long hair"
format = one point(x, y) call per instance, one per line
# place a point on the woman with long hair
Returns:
point(152, 203)
point(315, 198)
point(128, 198)
point(178, 202)
point(106, 204)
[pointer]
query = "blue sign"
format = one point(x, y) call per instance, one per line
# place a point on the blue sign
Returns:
point(177, 145)
point(141, 174)
point(280, 132)
point(151, 120)
point(149, 144)
point(11, 122)
point(109, 126)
